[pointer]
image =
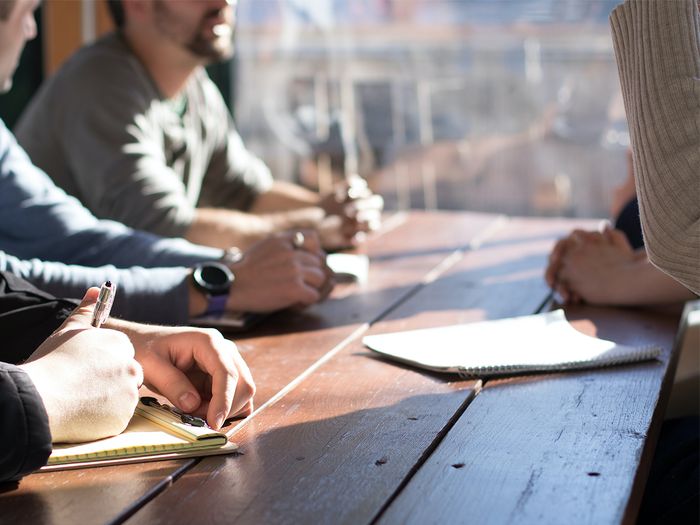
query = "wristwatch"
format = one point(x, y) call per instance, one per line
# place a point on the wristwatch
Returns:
point(214, 280)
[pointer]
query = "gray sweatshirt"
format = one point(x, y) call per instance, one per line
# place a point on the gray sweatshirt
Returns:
point(103, 132)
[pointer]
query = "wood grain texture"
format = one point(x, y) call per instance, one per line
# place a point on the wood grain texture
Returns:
point(278, 351)
point(336, 448)
point(558, 448)
point(87, 496)
point(285, 345)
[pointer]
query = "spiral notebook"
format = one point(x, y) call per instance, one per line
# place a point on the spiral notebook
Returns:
point(535, 343)
point(152, 434)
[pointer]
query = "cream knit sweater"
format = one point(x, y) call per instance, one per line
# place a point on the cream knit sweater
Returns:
point(657, 45)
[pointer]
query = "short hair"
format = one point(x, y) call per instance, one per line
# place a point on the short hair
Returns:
point(6, 8)
point(116, 10)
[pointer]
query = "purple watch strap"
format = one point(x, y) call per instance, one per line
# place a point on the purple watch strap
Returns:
point(217, 305)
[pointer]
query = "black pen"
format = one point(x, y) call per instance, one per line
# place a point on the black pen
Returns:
point(104, 304)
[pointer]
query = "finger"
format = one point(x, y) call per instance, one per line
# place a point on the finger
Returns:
point(374, 203)
point(372, 217)
point(81, 317)
point(172, 382)
point(223, 393)
point(302, 293)
point(246, 410)
point(216, 359)
point(619, 239)
point(309, 260)
point(550, 275)
point(245, 387)
point(350, 227)
point(327, 287)
point(558, 250)
point(604, 226)
point(555, 256)
point(310, 241)
point(315, 277)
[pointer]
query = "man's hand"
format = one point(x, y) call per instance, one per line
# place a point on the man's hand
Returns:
point(275, 274)
point(87, 378)
point(592, 266)
point(351, 211)
point(196, 369)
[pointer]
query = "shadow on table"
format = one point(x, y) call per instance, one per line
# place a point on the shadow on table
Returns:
point(307, 466)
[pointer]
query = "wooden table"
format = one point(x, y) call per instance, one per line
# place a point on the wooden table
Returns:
point(340, 436)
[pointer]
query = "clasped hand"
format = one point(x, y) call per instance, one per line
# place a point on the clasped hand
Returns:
point(351, 210)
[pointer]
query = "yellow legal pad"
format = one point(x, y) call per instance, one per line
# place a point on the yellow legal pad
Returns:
point(152, 434)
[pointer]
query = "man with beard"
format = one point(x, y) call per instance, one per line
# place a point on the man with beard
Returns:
point(51, 240)
point(133, 127)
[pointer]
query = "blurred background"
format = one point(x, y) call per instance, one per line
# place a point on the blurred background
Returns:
point(508, 106)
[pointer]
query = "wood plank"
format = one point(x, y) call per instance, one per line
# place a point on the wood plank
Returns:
point(285, 345)
point(337, 447)
point(94, 495)
point(276, 355)
point(557, 448)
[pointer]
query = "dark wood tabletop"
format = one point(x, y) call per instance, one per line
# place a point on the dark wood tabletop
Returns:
point(342, 436)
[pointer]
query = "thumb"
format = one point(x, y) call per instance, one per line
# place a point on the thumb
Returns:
point(172, 383)
point(81, 317)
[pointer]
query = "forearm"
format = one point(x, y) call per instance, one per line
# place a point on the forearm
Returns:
point(223, 228)
point(156, 295)
point(656, 45)
point(283, 196)
point(641, 283)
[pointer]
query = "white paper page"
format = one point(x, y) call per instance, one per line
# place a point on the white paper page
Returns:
point(542, 341)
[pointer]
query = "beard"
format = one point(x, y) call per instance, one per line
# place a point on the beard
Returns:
point(220, 48)
point(197, 41)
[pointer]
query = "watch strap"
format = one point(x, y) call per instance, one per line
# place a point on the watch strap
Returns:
point(216, 305)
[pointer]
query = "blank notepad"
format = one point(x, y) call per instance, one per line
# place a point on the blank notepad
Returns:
point(533, 343)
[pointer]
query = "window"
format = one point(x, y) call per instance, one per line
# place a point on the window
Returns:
point(506, 106)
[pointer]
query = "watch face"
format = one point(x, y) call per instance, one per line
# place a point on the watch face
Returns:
point(213, 278)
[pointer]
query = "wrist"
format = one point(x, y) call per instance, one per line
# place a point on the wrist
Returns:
point(197, 303)
point(42, 383)
point(213, 280)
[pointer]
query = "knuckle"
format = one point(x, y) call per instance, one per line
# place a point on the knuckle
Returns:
point(212, 334)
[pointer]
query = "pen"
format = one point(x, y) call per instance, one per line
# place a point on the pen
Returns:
point(104, 304)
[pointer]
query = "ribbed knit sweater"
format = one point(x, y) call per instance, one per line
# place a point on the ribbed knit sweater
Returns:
point(657, 46)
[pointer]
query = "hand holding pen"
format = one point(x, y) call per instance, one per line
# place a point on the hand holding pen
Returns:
point(74, 368)
point(104, 304)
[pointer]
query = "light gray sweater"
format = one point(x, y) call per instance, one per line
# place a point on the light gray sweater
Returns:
point(657, 46)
